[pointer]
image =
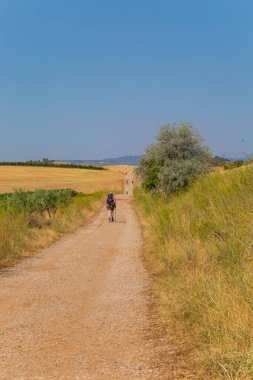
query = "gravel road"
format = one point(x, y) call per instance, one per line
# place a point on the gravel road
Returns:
point(80, 309)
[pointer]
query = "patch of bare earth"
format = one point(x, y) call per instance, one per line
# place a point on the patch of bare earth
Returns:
point(80, 309)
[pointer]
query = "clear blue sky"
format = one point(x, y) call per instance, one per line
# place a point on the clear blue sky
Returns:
point(86, 79)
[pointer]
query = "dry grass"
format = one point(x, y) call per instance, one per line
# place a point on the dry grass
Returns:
point(122, 169)
point(18, 238)
point(199, 248)
point(87, 181)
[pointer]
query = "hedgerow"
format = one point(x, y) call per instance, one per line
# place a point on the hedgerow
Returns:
point(51, 164)
point(38, 201)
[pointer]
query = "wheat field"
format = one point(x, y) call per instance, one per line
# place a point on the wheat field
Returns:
point(87, 181)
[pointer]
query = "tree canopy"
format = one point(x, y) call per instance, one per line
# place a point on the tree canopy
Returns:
point(175, 159)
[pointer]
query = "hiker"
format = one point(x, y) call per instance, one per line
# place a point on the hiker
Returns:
point(111, 205)
point(127, 182)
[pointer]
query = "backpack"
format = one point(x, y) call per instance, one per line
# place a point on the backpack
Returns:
point(110, 201)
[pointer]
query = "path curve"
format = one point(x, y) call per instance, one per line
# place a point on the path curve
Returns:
point(80, 308)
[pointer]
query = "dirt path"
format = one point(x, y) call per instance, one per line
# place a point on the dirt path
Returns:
point(129, 184)
point(80, 308)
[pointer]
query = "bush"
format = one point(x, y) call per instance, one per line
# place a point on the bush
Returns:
point(178, 174)
point(38, 201)
point(175, 160)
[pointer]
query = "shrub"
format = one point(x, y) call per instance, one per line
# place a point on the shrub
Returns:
point(234, 164)
point(38, 201)
point(175, 160)
point(178, 174)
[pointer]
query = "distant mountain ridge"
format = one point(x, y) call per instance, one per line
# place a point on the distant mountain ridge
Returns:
point(124, 160)
point(134, 160)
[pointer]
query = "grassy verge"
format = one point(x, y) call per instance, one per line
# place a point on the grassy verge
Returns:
point(20, 234)
point(199, 246)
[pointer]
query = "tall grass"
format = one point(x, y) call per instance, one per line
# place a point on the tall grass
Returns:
point(200, 249)
point(21, 234)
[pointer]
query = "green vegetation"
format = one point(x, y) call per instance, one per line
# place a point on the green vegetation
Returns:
point(235, 164)
point(32, 220)
point(38, 201)
point(175, 160)
point(199, 248)
point(219, 161)
point(51, 164)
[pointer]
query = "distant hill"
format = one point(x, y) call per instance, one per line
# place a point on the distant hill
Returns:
point(125, 160)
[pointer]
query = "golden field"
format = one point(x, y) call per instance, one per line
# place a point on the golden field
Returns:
point(123, 169)
point(87, 181)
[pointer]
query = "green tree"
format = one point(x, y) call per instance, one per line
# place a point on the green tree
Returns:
point(175, 160)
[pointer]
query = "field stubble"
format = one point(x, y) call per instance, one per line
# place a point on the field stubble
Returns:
point(87, 181)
